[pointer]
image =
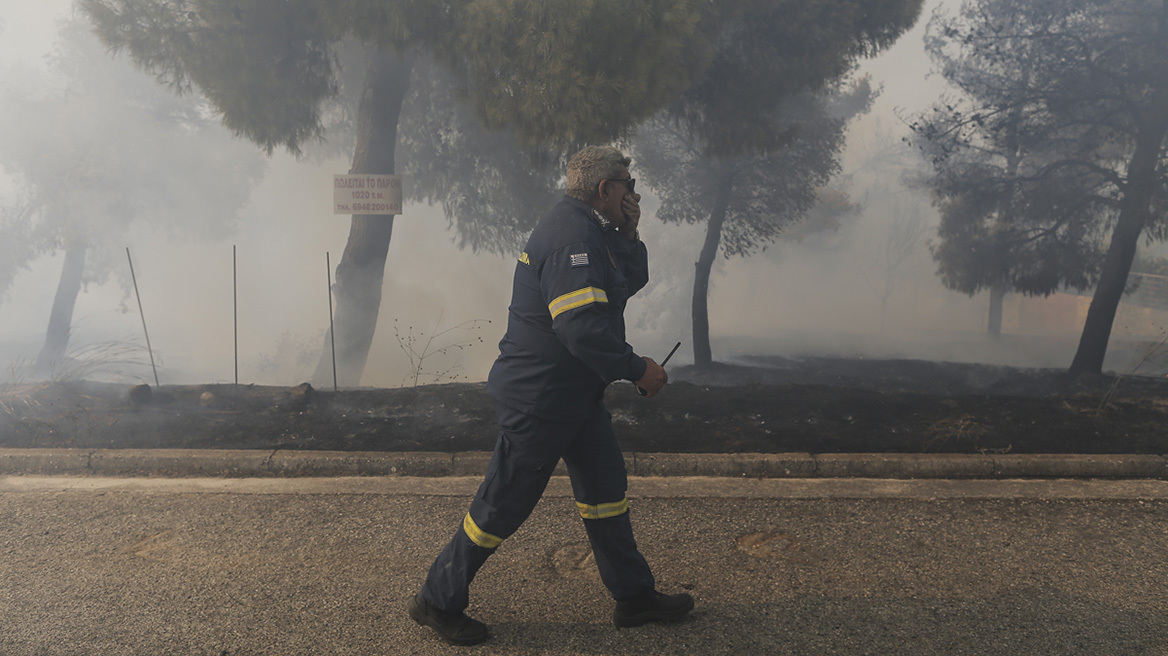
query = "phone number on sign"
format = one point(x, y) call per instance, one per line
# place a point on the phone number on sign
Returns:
point(374, 208)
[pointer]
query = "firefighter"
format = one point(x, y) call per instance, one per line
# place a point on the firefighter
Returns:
point(565, 342)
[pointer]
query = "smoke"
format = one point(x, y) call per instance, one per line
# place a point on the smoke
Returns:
point(282, 282)
point(828, 294)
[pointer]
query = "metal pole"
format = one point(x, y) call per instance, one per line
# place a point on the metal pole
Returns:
point(235, 309)
point(143, 314)
point(332, 334)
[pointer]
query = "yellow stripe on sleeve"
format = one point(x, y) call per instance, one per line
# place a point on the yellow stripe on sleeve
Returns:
point(604, 510)
point(478, 535)
point(578, 298)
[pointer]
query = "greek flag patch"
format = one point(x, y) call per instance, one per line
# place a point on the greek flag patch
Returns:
point(579, 259)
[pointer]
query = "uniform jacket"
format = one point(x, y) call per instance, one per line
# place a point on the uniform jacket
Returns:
point(565, 339)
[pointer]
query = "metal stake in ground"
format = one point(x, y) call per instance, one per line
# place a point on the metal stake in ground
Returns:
point(143, 314)
point(332, 334)
point(235, 311)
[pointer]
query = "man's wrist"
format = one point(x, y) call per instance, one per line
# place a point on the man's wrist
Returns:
point(637, 367)
point(635, 235)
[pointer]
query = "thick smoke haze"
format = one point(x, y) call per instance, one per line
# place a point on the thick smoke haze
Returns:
point(834, 293)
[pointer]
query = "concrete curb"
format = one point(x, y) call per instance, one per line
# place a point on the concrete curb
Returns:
point(185, 463)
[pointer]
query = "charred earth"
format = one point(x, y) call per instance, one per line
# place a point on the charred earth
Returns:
point(766, 405)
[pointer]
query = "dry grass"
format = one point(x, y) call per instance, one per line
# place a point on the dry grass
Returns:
point(110, 360)
point(441, 345)
point(1152, 351)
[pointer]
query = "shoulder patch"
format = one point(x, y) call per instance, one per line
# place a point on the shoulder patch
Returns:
point(524, 259)
point(579, 259)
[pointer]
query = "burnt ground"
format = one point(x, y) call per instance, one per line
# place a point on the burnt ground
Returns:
point(764, 404)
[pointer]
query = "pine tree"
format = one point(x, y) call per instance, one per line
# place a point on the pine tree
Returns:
point(553, 72)
point(754, 138)
point(100, 150)
point(1050, 164)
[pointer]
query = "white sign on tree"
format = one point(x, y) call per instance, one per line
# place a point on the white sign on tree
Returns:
point(366, 193)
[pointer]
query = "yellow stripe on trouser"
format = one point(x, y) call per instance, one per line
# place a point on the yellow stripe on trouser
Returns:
point(478, 535)
point(604, 510)
point(576, 299)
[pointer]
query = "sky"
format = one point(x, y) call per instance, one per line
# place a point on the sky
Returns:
point(794, 299)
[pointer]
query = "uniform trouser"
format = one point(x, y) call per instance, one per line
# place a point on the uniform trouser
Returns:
point(527, 451)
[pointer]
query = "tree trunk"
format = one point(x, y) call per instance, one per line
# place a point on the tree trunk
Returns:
point(61, 316)
point(361, 270)
point(701, 315)
point(1006, 215)
point(997, 295)
point(1133, 214)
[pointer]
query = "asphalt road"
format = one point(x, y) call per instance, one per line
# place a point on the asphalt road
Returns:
point(324, 566)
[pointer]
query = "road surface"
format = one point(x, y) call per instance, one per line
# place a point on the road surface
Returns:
point(93, 565)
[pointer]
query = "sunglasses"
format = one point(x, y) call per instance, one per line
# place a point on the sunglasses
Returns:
point(631, 182)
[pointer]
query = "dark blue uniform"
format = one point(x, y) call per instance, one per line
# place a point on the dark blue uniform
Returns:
point(565, 343)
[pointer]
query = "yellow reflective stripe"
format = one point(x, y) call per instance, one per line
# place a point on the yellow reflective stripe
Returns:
point(524, 258)
point(478, 535)
point(604, 510)
point(576, 299)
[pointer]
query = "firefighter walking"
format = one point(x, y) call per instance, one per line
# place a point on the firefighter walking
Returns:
point(565, 342)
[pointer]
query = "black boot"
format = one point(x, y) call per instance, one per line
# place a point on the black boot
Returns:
point(651, 607)
point(455, 628)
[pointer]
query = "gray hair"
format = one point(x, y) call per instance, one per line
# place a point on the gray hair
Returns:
point(590, 166)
